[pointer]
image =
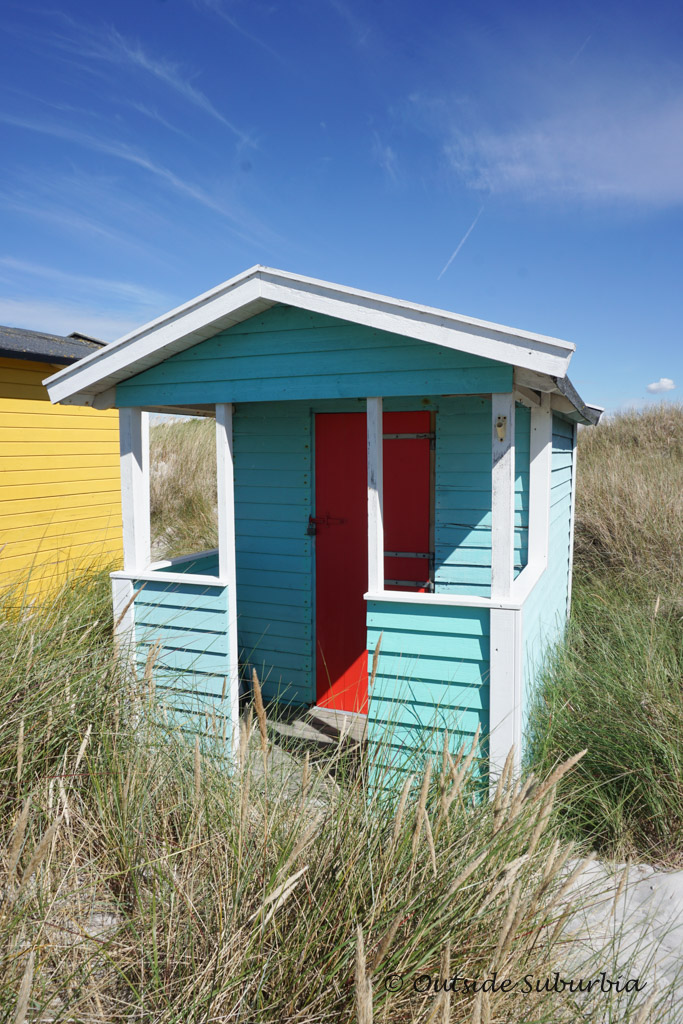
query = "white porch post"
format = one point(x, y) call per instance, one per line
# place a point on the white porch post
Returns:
point(375, 497)
point(134, 441)
point(502, 494)
point(505, 624)
point(572, 513)
point(134, 449)
point(226, 551)
point(540, 455)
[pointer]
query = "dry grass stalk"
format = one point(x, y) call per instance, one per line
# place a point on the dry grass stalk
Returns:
point(148, 674)
point(363, 985)
point(260, 712)
point(40, 853)
point(299, 846)
point(541, 821)
point(82, 748)
point(279, 896)
point(461, 774)
point(559, 772)
point(25, 990)
point(244, 807)
point(64, 801)
point(446, 973)
point(644, 1015)
point(567, 884)
point(17, 841)
point(421, 805)
point(385, 942)
point(468, 870)
point(503, 782)
point(245, 733)
point(510, 872)
point(120, 617)
point(375, 663)
point(430, 843)
point(305, 776)
point(197, 771)
point(444, 762)
point(508, 929)
point(398, 819)
point(20, 752)
point(520, 795)
point(620, 887)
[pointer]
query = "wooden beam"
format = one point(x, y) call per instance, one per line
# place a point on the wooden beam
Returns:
point(502, 493)
point(134, 444)
point(226, 553)
point(375, 497)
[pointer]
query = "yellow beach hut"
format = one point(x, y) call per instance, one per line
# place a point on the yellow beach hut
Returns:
point(60, 505)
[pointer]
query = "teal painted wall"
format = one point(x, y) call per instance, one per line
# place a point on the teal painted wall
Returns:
point(289, 354)
point(545, 611)
point(462, 529)
point(275, 588)
point(432, 675)
point(190, 622)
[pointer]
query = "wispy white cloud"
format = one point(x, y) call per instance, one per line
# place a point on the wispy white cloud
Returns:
point(385, 156)
point(360, 29)
point(109, 46)
point(58, 317)
point(219, 8)
point(461, 243)
point(658, 386)
point(76, 283)
point(620, 149)
point(153, 114)
point(122, 151)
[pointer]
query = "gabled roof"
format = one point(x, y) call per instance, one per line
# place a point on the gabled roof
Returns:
point(18, 343)
point(93, 379)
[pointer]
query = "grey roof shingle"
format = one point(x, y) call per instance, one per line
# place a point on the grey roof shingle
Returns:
point(18, 343)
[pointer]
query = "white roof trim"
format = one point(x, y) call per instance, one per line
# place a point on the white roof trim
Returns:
point(261, 287)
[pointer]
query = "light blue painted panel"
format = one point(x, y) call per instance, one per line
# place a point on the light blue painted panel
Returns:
point(273, 500)
point(427, 657)
point(189, 625)
point(545, 610)
point(325, 359)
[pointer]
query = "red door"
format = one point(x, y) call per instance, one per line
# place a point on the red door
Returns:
point(342, 546)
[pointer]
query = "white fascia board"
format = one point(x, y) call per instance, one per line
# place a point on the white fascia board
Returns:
point(425, 323)
point(260, 287)
point(132, 354)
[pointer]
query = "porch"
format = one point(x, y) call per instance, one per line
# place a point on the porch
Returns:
point(251, 603)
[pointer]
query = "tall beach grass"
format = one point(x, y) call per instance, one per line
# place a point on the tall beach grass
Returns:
point(144, 876)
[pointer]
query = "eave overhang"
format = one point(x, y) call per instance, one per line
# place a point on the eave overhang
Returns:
point(92, 381)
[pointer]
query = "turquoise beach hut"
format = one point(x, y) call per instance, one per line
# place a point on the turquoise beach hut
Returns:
point(384, 469)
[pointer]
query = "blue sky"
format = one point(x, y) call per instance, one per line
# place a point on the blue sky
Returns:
point(522, 163)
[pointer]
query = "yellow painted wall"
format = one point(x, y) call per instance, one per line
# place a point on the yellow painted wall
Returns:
point(60, 483)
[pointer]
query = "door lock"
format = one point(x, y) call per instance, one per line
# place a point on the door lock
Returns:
point(315, 521)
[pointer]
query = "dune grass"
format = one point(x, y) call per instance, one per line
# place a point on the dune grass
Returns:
point(145, 877)
point(616, 686)
point(183, 487)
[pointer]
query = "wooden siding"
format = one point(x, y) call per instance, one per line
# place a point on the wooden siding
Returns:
point(287, 354)
point(273, 500)
point(188, 624)
point(462, 528)
point(432, 675)
point(545, 610)
point(60, 490)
